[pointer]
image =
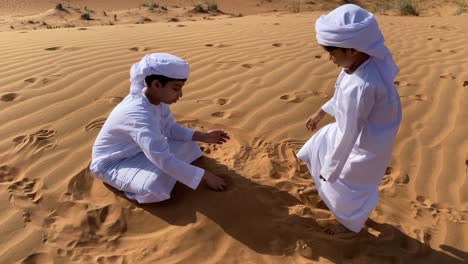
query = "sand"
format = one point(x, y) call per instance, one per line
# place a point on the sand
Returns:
point(259, 77)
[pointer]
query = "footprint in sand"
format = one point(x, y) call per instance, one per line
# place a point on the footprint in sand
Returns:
point(222, 101)
point(290, 98)
point(218, 101)
point(7, 173)
point(111, 99)
point(251, 65)
point(115, 100)
point(277, 45)
point(416, 97)
point(8, 97)
point(465, 83)
point(95, 124)
point(217, 45)
point(27, 217)
point(96, 219)
point(387, 180)
point(43, 81)
point(82, 29)
point(391, 178)
point(402, 83)
point(425, 208)
point(451, 51)
point(52, 48)
point(25, 190)
point(402, 179)
point(36, 141)
point(318, 57)
point(398, 179)
point(141, 48)
point(222, 114)
point(299, 97)
point(447, 76)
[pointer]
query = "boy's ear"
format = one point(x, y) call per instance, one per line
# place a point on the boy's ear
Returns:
point(155, 84)
point(353, 52)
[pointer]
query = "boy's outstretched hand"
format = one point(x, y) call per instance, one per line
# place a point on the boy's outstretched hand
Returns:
point(314, 119)
point(215, 137)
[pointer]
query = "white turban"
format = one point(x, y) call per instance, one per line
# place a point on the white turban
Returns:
point(157, 64)
point(350, 26)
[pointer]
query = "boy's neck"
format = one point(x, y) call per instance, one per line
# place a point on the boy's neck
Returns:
point(360, 59)
point(151, 98)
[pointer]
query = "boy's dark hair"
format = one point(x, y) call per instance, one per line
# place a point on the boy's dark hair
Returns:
point(331, 48)
point(161, 78)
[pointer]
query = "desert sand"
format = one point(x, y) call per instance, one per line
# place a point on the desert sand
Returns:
point(258, 77)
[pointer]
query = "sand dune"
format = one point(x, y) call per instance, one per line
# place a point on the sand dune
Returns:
point(258, 77)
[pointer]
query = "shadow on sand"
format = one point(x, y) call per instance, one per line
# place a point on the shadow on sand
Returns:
point(259, 217)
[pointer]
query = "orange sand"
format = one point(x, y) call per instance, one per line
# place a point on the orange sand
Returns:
point(259, 77)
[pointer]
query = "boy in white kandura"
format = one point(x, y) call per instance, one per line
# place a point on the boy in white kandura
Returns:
point(141, 150)
point(347, 159)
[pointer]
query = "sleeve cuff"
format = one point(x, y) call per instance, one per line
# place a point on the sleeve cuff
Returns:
point(189, 134)
point(328, 107)
point(196, 178)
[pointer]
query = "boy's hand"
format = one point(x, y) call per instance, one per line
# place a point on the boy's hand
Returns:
point(215, 137)
point(214, 182)
point(314, 119)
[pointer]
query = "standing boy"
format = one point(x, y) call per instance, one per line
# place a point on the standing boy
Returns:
point(347, 159)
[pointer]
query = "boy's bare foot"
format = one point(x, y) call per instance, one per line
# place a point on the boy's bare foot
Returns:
point(333, 227)
point(309, 191)
point(336, 229)
point(214, 182)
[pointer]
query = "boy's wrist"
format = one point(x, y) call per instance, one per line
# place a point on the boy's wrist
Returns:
point(321, 112)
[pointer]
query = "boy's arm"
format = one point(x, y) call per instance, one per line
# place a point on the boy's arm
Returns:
point(329, 106)
point(357, 106)
point(156, 149)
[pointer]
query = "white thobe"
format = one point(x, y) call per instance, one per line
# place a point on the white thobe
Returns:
point(352, 154)
point(141, 150)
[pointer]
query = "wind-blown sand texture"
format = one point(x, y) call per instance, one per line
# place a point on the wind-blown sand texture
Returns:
point(258, 77)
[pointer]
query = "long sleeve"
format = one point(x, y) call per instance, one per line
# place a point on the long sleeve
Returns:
point(329, 106)
point(356, 104)
point(156, 148)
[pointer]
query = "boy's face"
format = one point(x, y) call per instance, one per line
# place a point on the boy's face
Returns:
point(343, 58)
point(169, 93)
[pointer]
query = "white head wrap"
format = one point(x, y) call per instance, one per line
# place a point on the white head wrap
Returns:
point(350, 26)
point(157, 64)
